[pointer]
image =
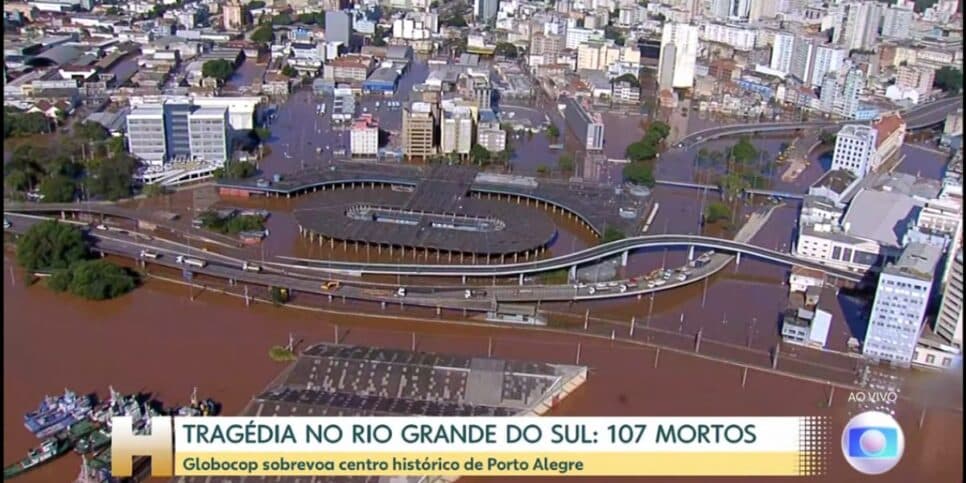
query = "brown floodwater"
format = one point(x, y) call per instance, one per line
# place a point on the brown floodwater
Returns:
point(156, 340)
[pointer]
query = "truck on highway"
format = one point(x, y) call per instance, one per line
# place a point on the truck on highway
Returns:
point(251, 267)
point(194, 262)
point(468, 293)
point(331, 285)
point(152, 255)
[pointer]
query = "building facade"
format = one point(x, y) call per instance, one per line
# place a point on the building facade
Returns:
point(208, 131)
point(145, 134)
point(418, 129)
point(684, 38)
point(364, 136)
point(588, 127)
point(855, 150)
point(901, 298)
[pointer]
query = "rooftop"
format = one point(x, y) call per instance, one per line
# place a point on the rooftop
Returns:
point(881, 216)
point(837, 180)
point(886, 126)
point(918, 260)
point(865, 133)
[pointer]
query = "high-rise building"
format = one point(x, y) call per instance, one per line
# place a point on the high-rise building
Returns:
point(900, 303)
point(145, 133)
point(666, 66)
point(208, 132)
point(456, 130)
point(720, 9)
point(762, 9)
point(739, 9)
point(861, 24)
point(827, 59)
point(338, 27)
point(589, 127)
point(855, 150)
point(485, 10)
point(597, 55)
point(897, 23)
point(176, 129)
point(685, 39)
point(949, 323)
point(491, 136)
point(548, 46)
point(233, 15)
point(783, 45)
point(577, 35)
point(364, 136)
point(418, 130)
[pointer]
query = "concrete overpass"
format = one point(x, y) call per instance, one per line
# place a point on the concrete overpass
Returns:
point(917, 117)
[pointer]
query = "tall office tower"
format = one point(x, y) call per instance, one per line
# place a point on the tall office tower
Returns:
point(897, 23)
point(208, 131)
point(485, 9)
point(685, 40)
point(854, 83)
point(588, 127)
point(145, 133)
point(828, 58)
point(666, 66)
point(419, 126)
point(338, 27)
point(176, 130)
point(949, 323)
point(855, 150)
point(456, 130)
point(760, 9)
point(782, 50)
point(900, 303)
point(861, 25)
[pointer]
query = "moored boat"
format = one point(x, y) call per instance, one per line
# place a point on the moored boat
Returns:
point(47, 451)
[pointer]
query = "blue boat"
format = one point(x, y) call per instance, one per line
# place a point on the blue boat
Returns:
point(57, 414)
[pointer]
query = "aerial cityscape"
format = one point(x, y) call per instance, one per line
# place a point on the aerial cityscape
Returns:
point(480, 208)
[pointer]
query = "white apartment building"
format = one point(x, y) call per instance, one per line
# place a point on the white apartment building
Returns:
point(208, 134)
point(901, 298)
point(861, 25)
point(738, 37)
point(456, 130)
point(855, 150)
point(364, 136)
point(942, 348)
point(827, 59)
point(145, 133)
point(576, 36)
point(897, 23)
point(679, 52)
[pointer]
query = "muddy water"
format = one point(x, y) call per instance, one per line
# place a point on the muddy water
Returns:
point(155, 339)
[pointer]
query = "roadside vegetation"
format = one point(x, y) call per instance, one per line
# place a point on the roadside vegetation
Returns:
point(231, 225)
point(281, 354)
point(62, 251)
point(642, 154)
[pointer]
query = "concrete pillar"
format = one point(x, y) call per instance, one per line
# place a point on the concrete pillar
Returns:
point(691, 253)
point(738, 259)
point(624, 258)
point(521, 279)
point(572, 274)
point(464, 279)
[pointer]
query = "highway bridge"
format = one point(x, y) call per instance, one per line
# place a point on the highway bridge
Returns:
point(570, 261)
point(917, 117)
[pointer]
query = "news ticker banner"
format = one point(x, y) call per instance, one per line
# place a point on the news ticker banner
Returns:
point(485, 446)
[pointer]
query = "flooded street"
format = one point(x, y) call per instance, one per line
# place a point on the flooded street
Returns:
point(156, 340)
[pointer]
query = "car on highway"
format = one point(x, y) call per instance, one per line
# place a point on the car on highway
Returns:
point(194, 262)
point(580, 285)
point(468, 293)
point(622, 288)
point(101, 226)
point(6, 224)
point(401, 292)
point(251, 267)
point(681, 277)
point(331, 285)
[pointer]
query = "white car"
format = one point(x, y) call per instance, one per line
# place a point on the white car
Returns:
point(6, 223)
point(401, 292)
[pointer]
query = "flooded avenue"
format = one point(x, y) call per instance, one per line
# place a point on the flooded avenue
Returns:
point(156, 340)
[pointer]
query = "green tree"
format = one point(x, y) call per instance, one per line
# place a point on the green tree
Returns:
point(612, 234)
point(506, 49)
point(640, 173)
point(553, 133)
point(629, 78)
point(93, 280)
point(744, 152)
point(220, 69)
point(263, 34)
point(51, 245)
point(236, 170)
point(479, 155)
point(262, 133)
point(256, 4)
point(641, 151)
point(112, 179)
point(827, 138)
point(17, 123)
point(58, 189)
point(566, 163)
point(316, 18)
point(949, 79)
point(615, 34)
point(281, 354)
point(282, 19)
point(154, 189)
point(716, 211)
point(90, 132)
point(289, 71)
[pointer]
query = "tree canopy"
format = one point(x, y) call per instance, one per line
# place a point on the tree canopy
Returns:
point(236, 170)
point(716, 211)
point(613, 33)
point(640, 173)
point(314, 18)
point(58, 189)
point(949, 79)
point(220, 69)
point(51, 245)
point(289, 71)
point(553, 132)
point(231, 225)
point(282, 19)
point(93, 280)
point(506, 49)
point(744, 152)
point(629, 78)
point(112, 178)
point(566, 163)
point(17, 123)
point(263, 34)
point(479, 155)
point(612, 234)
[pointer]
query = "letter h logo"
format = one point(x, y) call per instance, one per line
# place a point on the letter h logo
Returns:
point(125, 445)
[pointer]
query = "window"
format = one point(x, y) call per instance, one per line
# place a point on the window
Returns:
point(930, 359)
point(946, 361)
